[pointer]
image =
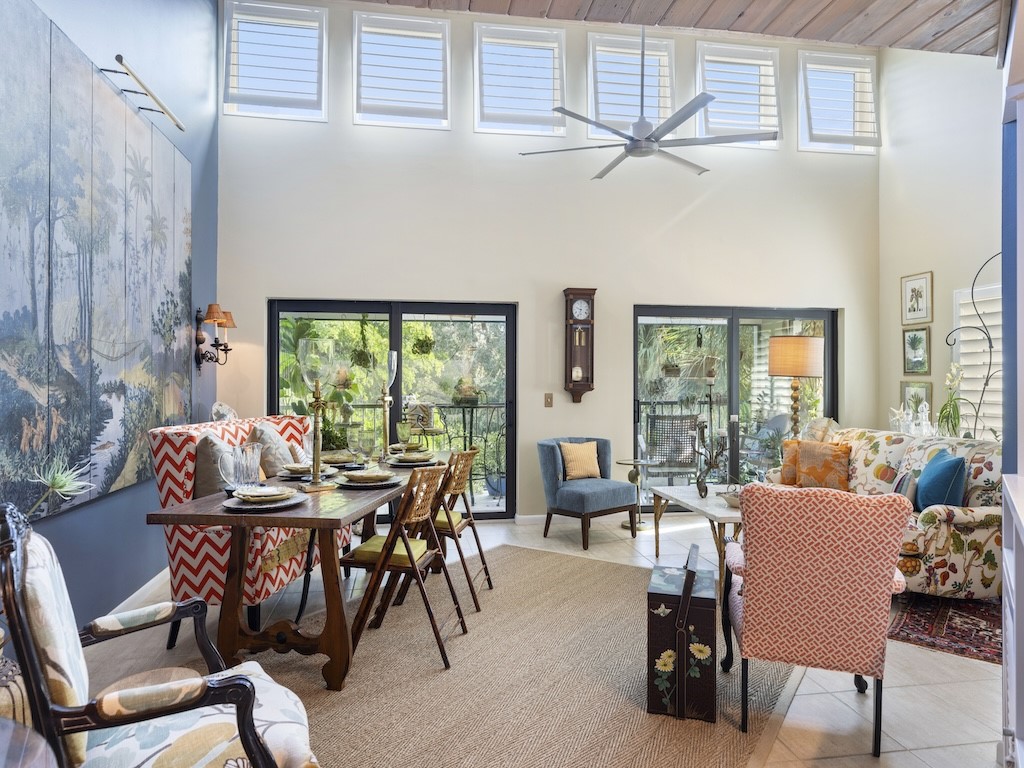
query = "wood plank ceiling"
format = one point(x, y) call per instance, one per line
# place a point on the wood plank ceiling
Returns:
point(950, 26)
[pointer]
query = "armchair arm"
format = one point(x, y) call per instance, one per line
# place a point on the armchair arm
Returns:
point(735, 560)
point(126, 622)
point(969, 517)
point(136, 705)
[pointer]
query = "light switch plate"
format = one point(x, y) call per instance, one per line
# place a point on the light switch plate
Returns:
point(549, 400)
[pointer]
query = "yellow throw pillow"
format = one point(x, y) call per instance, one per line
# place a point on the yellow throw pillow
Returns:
point(580, 460)
point(810, 464)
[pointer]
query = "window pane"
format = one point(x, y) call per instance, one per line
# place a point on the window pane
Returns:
point(275, 60)
point(401, 71)
point(615, 81)
point(519, 78)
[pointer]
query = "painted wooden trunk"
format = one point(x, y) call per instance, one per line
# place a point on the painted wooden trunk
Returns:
point(681, 663)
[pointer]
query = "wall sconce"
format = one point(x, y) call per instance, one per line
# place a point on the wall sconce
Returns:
point(215, 316)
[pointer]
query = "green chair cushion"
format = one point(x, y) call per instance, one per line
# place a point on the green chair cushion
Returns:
point(369, 551)
point(441, 521)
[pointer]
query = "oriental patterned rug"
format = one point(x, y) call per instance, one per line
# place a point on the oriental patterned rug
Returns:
point(552, 673)
point(972, 628)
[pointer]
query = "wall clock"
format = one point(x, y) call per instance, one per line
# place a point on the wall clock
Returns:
point(579, 341)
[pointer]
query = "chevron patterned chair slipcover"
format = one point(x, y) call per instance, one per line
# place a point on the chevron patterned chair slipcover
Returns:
point(198, 555)
point(813, 582)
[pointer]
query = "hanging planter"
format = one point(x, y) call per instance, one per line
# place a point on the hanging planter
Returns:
point(423, 345)
point(670, 370)
point(361, 355)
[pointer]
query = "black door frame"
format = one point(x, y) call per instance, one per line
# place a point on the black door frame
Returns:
point(394, 310)
point(733, 316)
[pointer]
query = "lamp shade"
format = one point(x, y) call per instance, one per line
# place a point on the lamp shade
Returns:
point(214, 315)
point(796, 356)
point(229, 320)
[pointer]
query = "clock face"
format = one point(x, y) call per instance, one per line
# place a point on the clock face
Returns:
point(581, 309)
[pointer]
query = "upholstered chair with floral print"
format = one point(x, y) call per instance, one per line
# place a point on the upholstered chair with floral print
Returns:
point(225, 719)
point(813, 582)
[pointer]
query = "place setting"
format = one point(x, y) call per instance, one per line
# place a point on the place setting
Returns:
point(303, 471)
point(255, 498)
point(368, 479)
point(411, 459)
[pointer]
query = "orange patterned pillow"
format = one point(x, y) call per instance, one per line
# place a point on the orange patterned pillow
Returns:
point(809, 464)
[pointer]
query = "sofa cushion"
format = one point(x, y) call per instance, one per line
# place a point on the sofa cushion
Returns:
point(275, 453)
point(810, 464)
point(208, 479)
point(875, 458)
point(821, 430)
point(984, 460)
point(580, 460)
point(942, 481)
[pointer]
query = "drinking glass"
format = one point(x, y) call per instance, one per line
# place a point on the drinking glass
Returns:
point(367, 443)
point(404, 431)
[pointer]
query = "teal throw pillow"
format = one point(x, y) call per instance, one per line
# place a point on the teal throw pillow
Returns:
point(942, 481)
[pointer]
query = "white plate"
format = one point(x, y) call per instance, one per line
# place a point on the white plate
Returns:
point(411, 464)
point(369, 486)
point(237, 505)
point(325, 471)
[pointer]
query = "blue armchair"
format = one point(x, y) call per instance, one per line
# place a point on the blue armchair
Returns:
point(588, 497)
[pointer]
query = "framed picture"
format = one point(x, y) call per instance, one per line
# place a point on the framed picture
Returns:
point(913, 393)
point(917, 298)
point(917, 356)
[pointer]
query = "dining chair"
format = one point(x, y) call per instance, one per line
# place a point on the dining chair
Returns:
point(450, 524)
point(408, 549)
point(822, 599)
point(225, 719)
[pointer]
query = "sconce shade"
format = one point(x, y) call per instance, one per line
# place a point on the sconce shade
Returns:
point(229, 320)
point(214, 315)
point(796, 356)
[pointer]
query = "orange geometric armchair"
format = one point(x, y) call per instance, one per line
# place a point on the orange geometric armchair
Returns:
point(813, 582)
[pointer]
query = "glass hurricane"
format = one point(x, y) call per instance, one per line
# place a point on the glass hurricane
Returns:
point(317, 360)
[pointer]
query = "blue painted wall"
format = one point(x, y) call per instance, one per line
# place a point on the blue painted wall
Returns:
point(1009, 246)
point(105, 547)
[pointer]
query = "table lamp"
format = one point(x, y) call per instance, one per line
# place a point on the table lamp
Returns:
point(798, 357)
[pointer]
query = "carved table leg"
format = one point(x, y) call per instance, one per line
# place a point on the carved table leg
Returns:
point(335, 640)
point(229, 628)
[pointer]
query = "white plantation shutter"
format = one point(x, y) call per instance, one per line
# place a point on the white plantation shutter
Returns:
point(971, 351)
point(401, 70)
point(615, 81)
point(838, 93)
point(520, 79)
point(742, 80)
point(275, 58)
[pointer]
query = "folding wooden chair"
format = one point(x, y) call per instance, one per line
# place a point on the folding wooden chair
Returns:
point(401, 552)
point(451, 524)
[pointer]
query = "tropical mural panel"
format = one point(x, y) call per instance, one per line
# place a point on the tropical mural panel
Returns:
point(95, 270)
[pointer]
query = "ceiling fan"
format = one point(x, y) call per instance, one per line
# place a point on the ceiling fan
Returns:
point(646, 140)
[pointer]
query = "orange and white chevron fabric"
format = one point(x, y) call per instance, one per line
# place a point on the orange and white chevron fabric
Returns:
point(198, 555)
point(818, 572)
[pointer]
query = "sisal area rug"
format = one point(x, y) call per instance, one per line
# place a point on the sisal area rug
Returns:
point(972, 628)
point(551, 673)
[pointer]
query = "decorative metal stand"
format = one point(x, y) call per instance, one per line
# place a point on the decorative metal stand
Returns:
point(318, 406)
point(709, 447)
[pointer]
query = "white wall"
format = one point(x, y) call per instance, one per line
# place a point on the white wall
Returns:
point(355, 212)
point(939, 196)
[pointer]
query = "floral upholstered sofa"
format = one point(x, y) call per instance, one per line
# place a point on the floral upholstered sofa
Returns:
point(948, 550)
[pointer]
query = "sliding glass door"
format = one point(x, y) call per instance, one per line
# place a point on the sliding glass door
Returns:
point(454, 381)
point(700, 368)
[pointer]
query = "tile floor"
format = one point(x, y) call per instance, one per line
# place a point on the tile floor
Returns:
point(940, 710)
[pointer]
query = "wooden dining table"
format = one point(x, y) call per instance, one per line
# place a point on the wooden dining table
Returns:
point(325, 512)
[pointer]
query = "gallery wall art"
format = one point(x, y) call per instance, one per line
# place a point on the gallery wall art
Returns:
point(95, 269)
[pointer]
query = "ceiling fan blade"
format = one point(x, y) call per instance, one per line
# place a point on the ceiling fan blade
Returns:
point(698, 169)
point(610, 167)
point(697, 140)
point(570, 149)
point(681, 116)
point(602, 126)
